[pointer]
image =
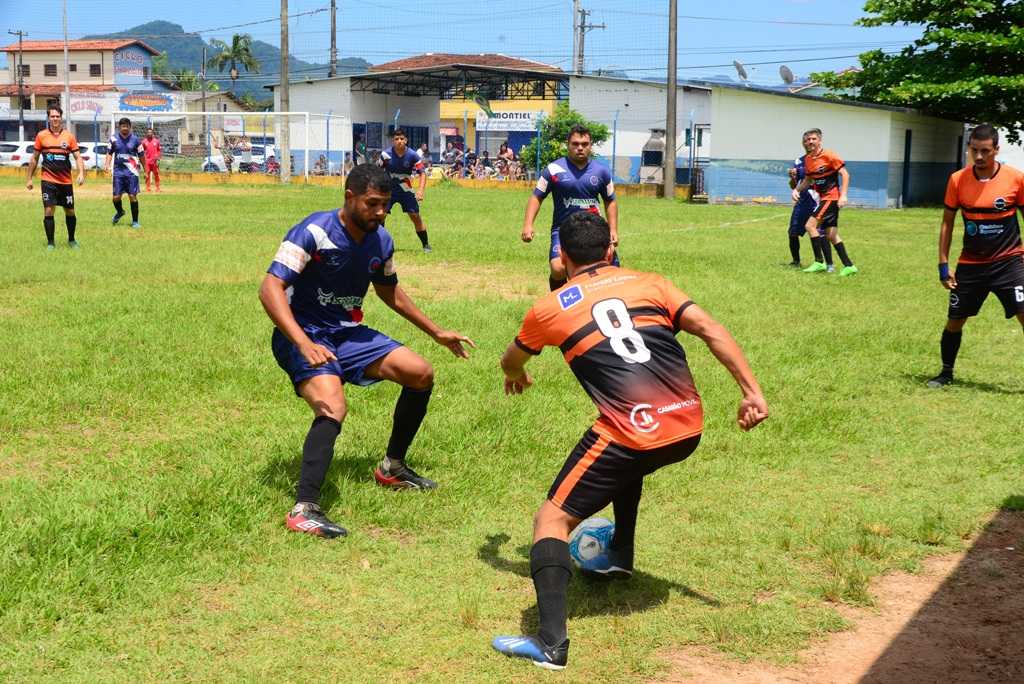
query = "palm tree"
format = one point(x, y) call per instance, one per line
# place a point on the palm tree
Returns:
point(238, 53)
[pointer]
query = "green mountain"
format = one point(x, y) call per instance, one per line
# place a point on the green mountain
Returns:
point(185, 51)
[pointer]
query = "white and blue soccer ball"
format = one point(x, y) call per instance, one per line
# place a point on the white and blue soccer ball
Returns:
point(589, 542)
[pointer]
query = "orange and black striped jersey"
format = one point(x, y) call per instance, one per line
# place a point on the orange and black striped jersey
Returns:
point(616, 329)
point(991, 229)
point(56, 152)
point(823, 170)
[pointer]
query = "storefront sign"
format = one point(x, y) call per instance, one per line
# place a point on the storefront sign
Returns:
point(507, 121)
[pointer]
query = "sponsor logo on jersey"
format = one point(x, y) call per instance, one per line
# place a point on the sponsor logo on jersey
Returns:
point(972, 228)
point(375, 264)
point(1000, 203)
point(570, 297)
point(594, 180)
point(676, 405)
point(642, 419)
point(954, 299)
point(579, 202)
point(329, 298)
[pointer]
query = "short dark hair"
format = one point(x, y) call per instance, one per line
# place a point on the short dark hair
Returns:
point(54, 108)
point(124, 120)
point(812, 131)
point(578, 129)
point(985, 132)
point(366, 176)
point(399, 132)
point(585, 237)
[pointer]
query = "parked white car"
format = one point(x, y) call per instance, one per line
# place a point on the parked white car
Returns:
point(15, 153)
point(93, 153)
point(258, 163)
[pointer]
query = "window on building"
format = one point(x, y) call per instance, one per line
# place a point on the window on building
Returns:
point(26, 103)
point(49, 70)
point(26, 70)
point(72, 67)
point(52, 102)
point(94, 70)
point(145, 72)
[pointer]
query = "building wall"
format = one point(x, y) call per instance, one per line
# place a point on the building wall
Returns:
point(36, 61)
point(934, 147)
point(461, 114)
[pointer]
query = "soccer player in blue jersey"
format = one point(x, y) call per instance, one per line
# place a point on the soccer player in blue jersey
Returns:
point(313, 292)
point(802, 210)
point(402, 164)
point(129, 158)
point(577, 183)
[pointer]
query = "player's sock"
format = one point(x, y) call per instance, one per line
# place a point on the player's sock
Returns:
point(410, 409)
point(317, 452)
point(950, 347)
point(816, 247)
point(843, 256)
point(794, 248)
point(71, 222)
point(422, 235)
point(551, 571)
point(826, 250)
point(555, 283)
point(48, 226)
point(626, 505)
point(135, 211)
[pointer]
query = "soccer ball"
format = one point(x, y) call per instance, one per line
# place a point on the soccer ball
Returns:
point(588, 543)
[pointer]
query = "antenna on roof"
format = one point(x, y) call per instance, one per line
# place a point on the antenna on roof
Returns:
point(787, 75)
point(740, 70)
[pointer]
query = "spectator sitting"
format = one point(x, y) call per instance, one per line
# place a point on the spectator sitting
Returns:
point(273, 168)
point(320, 167)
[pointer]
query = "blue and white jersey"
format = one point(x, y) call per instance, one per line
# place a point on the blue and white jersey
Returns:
point(328, 273)
point(575, 189)
point(401, 167)
point(808, 198)
point(126, 152)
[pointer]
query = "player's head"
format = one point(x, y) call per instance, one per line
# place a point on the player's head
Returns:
point(54, 115)
point(149, 132)
point(983, 146)
point(579, 143)
point(399, 138)
point(586, 239)
point(812, 140)
point(124, 126)
point(367, 191)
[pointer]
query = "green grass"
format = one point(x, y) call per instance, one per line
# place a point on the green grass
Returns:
point(149, 448)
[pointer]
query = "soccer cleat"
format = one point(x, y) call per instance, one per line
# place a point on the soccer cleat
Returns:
point(51, 247)
point(848, 270)
point(816, 267)
point(308, 518)
point(73, 244)
point(135, 224)
point(534, 648)
point(940, 380)
point(830, 269)
point(610, 565)
point(117, 217)
point(427, 249)
point(397, 475)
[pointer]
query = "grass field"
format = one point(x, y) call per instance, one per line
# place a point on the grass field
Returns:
point(149, 447)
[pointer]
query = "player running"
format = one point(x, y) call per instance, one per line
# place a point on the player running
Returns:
point(802, 210)
point(616, 329)
point(154, 152)
point(827, 173)
point(313, 292)
point(402, 163)
point(124, 160)
point(577, 182)
point(56, 145)
point(992, 259)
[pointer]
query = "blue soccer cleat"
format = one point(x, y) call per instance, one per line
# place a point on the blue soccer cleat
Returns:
point(135, 224)
point(534, 648)
point(117, 217)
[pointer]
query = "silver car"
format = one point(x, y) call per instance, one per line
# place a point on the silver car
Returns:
point(16, 153)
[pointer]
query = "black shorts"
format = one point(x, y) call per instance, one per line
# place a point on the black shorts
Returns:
point(1004, 279)
point(58, 194)
point(827, 213)
point(598, 469)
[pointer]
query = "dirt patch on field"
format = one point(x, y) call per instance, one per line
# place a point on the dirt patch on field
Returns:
point(448, 280)
point(956, 621)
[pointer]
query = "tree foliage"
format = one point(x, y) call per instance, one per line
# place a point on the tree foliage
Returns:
point(239, 53)
point(968, 64)
point(554, 134)
point(160, 67)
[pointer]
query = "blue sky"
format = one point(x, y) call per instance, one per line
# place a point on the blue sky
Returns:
point(808, 35)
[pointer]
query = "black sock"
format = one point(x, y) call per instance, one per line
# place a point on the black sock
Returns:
point(794, 248)
point(843, 256)
point(816, 247)
point(409, 411)
point(71, 222)
point(551, 571)
point(826, 250)
point(317, 452)
point(135, 211)
point(422, 235)
point(48, 227)
point(555, 283)
point(950, 347)
point(118, 207)
point(626, 505)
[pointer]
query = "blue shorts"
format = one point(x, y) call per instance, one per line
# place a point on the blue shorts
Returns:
point(355, 348)
point(126, 183)
point(798, 219)
point(556, 249)
point(407, 200)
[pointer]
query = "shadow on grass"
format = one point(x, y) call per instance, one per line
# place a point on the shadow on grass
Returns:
point(921, 380)
point(969, 629)
point(282, 474)
point(590, 597)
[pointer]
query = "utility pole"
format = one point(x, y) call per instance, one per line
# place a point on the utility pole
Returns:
point(575, 34)
point(286, 152)
point(582, 33)
point(333, 71)
point(67, 76)
point(202, 100)
point(21, 84)
point(670, 107)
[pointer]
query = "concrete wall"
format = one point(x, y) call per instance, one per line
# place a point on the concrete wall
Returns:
point(933, 156)
point(36, 62)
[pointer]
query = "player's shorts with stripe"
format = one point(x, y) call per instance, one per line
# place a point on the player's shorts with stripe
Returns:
point(57, 194)
point(126, 183)
point(1004, 279)
point(355, 348)
point(802, 211)
point(556, 248)
point(405, 199)
point(598, 469)
point(827, 213)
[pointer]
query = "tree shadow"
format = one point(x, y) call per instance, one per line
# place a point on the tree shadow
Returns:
point(281, 473)
point(921, 379)
point(969, 629)
point(587, 597)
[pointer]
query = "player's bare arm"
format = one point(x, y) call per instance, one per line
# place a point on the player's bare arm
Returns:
point(513, 364)
point(804, 184)
point(945, 240)
point(400, 302)
point(532, 208)
point(81, 167)
point(844, 177)
point(32, 169)
point(275, 303)
point(422, 188)
point(752, 409)
point(611, 210)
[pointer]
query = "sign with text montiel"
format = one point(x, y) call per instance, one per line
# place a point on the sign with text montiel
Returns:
point(506, 121)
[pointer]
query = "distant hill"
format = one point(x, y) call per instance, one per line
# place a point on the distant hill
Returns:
point(185, 51)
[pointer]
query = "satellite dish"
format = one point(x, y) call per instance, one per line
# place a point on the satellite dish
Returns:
point(740, 70)
point(787, 75)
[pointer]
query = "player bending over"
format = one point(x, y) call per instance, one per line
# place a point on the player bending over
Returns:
point(616, 329)
point(125, 160)
point(313, 292)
